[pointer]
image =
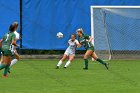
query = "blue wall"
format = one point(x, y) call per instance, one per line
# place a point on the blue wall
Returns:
point(9, 12)
point(42, 19)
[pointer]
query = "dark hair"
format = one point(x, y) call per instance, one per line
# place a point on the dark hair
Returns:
point(12, 28)
point(74, 35)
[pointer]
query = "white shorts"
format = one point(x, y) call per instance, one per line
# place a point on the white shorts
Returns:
point(69, 52)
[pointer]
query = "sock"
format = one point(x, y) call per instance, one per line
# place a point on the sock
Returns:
point(59, 63)
point(67, 64)
point(14, 61)
point(101, 61)
point(2, 66)
point(6, 70)
point(86, 63)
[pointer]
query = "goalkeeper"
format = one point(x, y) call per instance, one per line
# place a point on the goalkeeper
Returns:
point(85, 40)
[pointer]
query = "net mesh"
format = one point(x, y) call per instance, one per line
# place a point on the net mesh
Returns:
point(116, 33)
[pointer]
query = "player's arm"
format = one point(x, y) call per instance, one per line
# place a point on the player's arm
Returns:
point(89, 38)
point(14, 41)
point(1, 42)
point(78, 44)
point(69, 42)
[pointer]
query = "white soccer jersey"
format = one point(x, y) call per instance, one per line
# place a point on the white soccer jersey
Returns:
point(13, 48)
point(72, 47)
point(17, 35)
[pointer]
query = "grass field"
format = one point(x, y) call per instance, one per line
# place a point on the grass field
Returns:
point(40, 76)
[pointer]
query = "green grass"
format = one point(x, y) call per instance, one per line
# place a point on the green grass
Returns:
point(40, 76)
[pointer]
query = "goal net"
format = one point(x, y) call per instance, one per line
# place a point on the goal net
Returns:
point(116, 31)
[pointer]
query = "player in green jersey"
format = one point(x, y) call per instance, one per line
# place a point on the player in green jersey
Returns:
point(5, 43)
point(85, 40)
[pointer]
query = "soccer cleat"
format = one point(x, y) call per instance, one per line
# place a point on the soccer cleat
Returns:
point(85, 68)
point(107, 66)
point(57, 67)
point(65, 67)
point(5, 76)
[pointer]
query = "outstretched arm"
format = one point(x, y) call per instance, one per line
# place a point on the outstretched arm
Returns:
point(90, 39)
point(14, 42)
point(78, 44)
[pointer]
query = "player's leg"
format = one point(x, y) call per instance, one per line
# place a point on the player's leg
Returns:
point(1, 56)
point(1, 59)
point(2, 64)
point(71, 57)
point(7, 62)
point(99, 60)
point(61, 61)
point(87, 54)
point(14, 60)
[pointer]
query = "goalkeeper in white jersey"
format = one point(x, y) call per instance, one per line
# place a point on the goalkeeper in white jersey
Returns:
point(70, 52)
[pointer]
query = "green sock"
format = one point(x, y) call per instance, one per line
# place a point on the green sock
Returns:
point(101, 61)
point(6, 70)
point(9, 68)
point(86, 63)
point(2, 66)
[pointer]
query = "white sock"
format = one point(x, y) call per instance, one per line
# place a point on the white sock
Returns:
point(14, 61)
point(67, 64)
point(59, 63)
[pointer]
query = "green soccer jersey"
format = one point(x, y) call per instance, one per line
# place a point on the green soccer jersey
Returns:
point(7, 40)
point(83, 41)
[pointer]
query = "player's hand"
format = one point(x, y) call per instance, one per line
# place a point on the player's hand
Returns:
point(87, 41)
point(79, 45)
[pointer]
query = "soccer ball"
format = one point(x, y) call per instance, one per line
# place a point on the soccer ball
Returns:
point(59, 35)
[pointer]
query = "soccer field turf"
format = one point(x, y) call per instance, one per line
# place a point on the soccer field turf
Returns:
point(40, 76)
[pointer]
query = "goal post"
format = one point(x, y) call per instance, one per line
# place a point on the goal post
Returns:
point(110, 28)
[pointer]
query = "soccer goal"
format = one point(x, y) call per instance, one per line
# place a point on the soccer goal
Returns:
point(116, 31)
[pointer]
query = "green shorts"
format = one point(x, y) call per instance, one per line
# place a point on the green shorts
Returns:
point(90, 48)
point(6, 52)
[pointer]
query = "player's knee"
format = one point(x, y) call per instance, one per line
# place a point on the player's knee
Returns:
point(18, 57)
point(85, 56)
point(70, 59)
point(95, 58)
point(63, 59)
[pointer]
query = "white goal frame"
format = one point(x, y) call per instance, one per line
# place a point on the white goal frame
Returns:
point(92, 17)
